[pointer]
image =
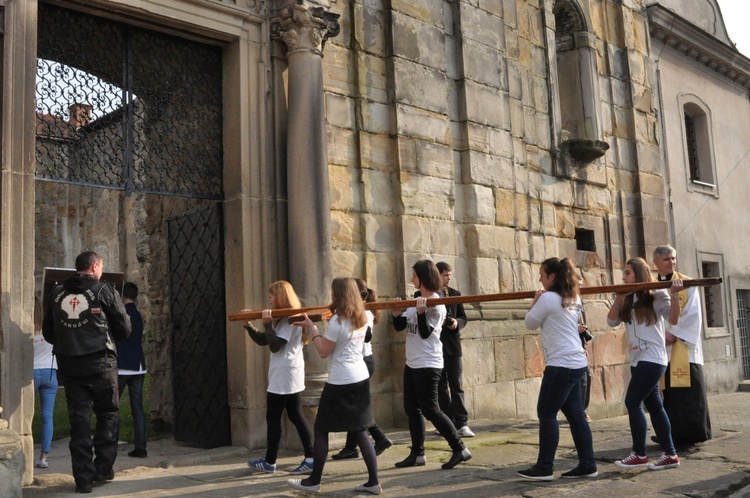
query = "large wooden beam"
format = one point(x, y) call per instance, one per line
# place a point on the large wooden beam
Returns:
point(506, 296)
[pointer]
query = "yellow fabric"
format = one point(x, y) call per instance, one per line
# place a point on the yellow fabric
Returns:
point(679, 362)
point(679, 365)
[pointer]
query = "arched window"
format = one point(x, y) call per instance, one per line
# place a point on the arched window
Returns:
point(697, 144)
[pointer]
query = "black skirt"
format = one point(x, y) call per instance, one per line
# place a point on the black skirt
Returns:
point(345, 408)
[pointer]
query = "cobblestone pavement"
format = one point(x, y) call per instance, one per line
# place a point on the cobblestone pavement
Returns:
point(714, 469)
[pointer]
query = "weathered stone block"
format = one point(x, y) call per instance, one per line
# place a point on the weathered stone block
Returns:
point(522, 212)
point(337, 74)
point(339, 110)
point(427, 196)
point(370, 29)
point(477, 354)
point(434, 159)
point(12, 463)
point(416, 234)
point(616, 378)
point(377, 151)
point(486, 28)
point(533, 355)
point(505, 207)
point(527, 395)
point(419, 123)
point(345, 262)
point(420, 86)
point(509, 359)
point(419, 42)
point(565, 226)
point(382, 272)
point(372, 78)
point(345, 230)
point(380, 191)
point(427, 11)
point(376, 117)
point(494, 401)
point(610, 348)
point(517, 119)
point(483, 64)
point(506, 275)
point(443, 235)
point(486, 169)
point(343, 188)
point(501, 142)
point(478, 204)
point(380, 233)
point(490, 241)
point(486, 105)
point(485, 275)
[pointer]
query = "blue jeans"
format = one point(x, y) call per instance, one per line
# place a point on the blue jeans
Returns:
point(561, 390)
point(45, 381)
point(644, 390)
point(135, 393)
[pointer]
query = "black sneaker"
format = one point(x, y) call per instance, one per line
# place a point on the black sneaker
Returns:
point(105, 477)
point(536, 474)
point(580, 471)
point(84, 487)
point(345, 454)
point(138, 453)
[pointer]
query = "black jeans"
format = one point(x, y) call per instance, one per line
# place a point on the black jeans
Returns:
point(451, 391)
point(100, 392)
point(292, 403)
point(421, 398)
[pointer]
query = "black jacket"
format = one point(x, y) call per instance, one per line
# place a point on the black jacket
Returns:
point(82, 320)
point(130, 351)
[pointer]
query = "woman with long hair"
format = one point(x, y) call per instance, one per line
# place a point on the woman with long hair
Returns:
point(286, 377)
point(424, 366)
point(345, 402)
point(645, 314)
point(45, 382)
point(556, 309)
point(382, 442)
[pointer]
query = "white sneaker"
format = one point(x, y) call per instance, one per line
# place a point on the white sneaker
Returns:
point(465, 432)
point(41, 463)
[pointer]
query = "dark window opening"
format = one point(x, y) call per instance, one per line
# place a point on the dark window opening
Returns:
point(585, 240)
point(712, 296)
point(692, 148)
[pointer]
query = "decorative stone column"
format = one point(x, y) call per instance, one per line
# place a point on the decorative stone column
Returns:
point(304, 28)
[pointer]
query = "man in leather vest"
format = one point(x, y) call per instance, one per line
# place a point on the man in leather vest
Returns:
point(83, 318)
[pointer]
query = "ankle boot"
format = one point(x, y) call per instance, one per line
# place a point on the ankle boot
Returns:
point(415, 459)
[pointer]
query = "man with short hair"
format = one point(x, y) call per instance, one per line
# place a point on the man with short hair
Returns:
point(450, 387)
point(82, 320)
point(684, 389)
point(131, 366)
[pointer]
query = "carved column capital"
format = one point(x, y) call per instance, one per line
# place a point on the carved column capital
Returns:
point(305, 28)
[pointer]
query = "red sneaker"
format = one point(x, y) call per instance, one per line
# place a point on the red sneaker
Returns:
point(632, 461)
point(665, 462)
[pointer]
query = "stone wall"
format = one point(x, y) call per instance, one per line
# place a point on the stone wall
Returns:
point(444, 142)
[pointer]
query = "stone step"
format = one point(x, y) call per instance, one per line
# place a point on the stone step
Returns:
point(744, 386)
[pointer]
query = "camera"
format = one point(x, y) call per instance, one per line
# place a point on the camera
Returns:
point(586, 335)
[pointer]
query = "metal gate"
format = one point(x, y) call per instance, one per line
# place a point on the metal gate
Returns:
point(196, 265)
point(126, 108)
point(742, 327)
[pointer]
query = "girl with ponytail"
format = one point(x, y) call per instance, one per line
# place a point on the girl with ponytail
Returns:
point(556, 309)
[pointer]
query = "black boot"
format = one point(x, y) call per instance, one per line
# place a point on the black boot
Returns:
point(346, 454)
point(415, 459)
point(382, 444)
point(457, 457)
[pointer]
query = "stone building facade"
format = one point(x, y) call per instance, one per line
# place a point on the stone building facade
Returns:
point(359, 136)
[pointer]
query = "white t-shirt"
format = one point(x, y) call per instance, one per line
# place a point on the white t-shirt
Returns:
point(561, 342)
point(346, 364)
point(43, 357)
point(646, 342)
point(425, 353)
point(286, 370)
point(367, 347)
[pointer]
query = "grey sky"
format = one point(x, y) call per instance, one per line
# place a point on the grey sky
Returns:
point(736, 16)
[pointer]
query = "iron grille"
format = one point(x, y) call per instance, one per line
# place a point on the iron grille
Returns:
point(125, 108)
point(744, 339)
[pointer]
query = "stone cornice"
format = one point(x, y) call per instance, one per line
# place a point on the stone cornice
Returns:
point(305, 28)
point(684, 37)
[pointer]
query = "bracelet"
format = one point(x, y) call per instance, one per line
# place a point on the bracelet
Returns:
point(315, 337)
